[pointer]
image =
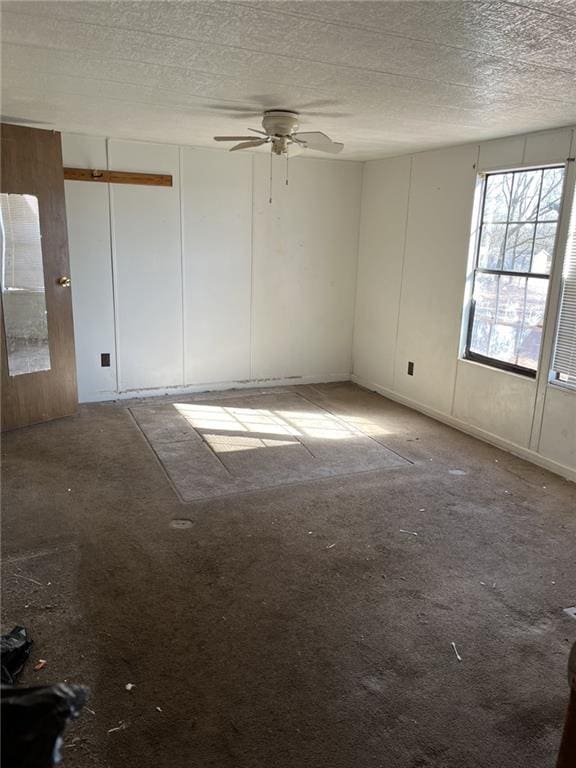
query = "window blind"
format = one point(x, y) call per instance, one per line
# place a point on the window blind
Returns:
point(564, 362)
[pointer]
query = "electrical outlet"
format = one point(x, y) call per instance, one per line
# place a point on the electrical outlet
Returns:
point(105, 359)
point(410, 369)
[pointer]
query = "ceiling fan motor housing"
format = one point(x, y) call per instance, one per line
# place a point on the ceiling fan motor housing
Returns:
point(280, 122)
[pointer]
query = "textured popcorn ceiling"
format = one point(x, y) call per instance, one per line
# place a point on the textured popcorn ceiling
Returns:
point(387, 77)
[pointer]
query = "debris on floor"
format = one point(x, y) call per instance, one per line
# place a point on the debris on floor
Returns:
point(412, 533)
point(129, 686)
point(180, 523)
point(121, 727)
point(14, 648)
point(27, 578)
point(40, 664)
point(456, 651)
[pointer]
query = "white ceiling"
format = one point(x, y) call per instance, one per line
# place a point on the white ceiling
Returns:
point(383, 77)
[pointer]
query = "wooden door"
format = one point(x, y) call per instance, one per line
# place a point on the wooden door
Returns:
point(38, 361)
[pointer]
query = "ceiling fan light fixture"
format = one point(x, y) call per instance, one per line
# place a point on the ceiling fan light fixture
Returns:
point(280, 122)
point(281, 131)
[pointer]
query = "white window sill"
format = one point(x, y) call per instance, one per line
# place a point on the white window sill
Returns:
point(562, 385)
point(495, 369)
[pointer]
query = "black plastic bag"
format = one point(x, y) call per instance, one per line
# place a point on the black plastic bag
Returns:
point(14, 650)
point(33, 723)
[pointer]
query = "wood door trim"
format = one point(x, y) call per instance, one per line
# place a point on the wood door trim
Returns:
point(118, 177)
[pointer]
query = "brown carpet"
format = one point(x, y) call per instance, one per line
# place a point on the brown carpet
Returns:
point(232, 443)
point(303, 625)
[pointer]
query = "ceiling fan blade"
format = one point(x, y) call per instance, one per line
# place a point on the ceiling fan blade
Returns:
point(233, 138)
point(249, 144)
point(255, 130)
point(319, 141)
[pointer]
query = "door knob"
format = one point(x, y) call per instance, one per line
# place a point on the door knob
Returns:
point(65, 282)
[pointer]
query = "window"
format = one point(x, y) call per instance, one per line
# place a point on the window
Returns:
point(564, 360)
point(514, 251)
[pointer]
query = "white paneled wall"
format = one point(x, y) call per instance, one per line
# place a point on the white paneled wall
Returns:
point(439, 214)
point(206, 284)
point(217, 245)
point(147, 268)
point(558, 434)
point(88, 215)
point(413, 262)
point(385, 189)
point(304, 278)
point(496, 401)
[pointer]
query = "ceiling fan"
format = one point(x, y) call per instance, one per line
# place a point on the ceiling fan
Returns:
point(281, 132)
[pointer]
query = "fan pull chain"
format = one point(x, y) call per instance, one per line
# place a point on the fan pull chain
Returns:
point(270, 199)
point(287, 155)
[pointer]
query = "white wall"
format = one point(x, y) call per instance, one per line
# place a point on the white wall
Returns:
point(305, 261)
point(385, 189)
point(413, 265)
point(217, 243)
point(207, 284)
point(434, 273)
point(147, 264)
point(88, 216)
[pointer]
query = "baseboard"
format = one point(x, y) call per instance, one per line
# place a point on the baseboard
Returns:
point(217, 386)
point(488, 437)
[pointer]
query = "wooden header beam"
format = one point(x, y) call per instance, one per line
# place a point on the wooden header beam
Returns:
point(118, 177)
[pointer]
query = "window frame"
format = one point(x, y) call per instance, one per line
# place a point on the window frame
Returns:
point(467, 353)
point(568, 229)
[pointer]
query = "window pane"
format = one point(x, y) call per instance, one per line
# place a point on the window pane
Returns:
point(497, 199)
point(525, 196)
point(485, 296)
point(510, 302)
point(491, 246)
point(503, 343)
point(531, 336)
point(551, 195)
point(543, 248)
point(518, 253)
point(508, 317)
point(480, 341)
